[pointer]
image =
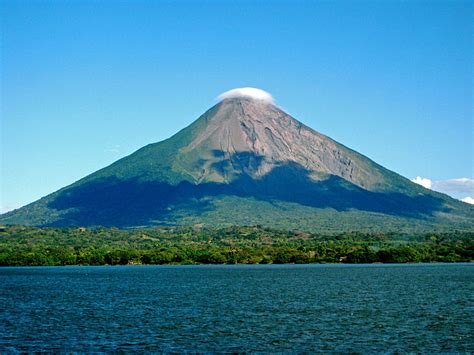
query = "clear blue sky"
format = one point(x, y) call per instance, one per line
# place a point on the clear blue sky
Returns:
point(87, 82)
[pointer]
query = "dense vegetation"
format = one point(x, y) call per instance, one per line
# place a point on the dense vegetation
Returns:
point(245, 245)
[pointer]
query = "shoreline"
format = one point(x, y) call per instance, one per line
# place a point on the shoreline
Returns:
point(250, 265)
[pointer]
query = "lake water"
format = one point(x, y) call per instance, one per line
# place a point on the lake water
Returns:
point(270, 308)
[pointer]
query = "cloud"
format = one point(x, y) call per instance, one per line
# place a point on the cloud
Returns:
point(468, 199)
point(461, 187)
point(457, 188)
point(114, 149)
point(253, 93)
point(426, 183)
point(8, 208)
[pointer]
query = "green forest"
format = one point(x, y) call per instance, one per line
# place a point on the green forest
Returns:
point(28, 246)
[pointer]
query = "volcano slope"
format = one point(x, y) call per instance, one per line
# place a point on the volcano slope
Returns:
point(247, 162)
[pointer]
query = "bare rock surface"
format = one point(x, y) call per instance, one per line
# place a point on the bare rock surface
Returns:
point(261, 129)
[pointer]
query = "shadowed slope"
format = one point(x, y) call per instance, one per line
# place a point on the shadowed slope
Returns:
point(132, 202)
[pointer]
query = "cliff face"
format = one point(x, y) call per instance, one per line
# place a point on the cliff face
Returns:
point(243, 156)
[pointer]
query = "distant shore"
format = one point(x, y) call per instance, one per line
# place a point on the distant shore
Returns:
point(287, 264)
point(29, 246)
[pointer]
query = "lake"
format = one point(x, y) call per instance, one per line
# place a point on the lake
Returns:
point(269, 308)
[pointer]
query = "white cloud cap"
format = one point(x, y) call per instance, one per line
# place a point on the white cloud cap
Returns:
point(468, 199)
point(426, 183)
point(253, 93)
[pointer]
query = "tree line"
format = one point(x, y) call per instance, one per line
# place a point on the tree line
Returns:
point(27, 246)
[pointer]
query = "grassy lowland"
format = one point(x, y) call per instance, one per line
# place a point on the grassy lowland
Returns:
point(30, 246)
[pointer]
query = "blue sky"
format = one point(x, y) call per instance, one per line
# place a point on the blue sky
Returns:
point(87, 82)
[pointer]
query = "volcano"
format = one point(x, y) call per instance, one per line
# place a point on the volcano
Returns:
point(245, 162)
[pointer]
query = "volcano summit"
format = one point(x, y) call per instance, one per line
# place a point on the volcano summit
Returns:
point(245, 161)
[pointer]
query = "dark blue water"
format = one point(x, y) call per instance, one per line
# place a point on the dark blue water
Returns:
point(373, 308)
